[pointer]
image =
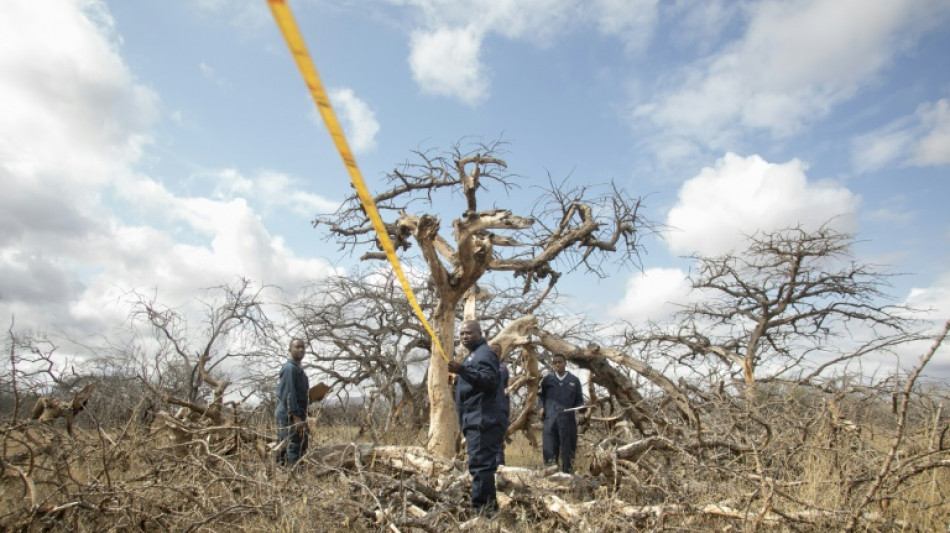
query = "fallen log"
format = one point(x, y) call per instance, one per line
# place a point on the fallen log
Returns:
point(47, 409)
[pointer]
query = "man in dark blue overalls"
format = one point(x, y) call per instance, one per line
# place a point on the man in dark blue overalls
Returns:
point(478, 399)
point(560, 390)
point(292, 400)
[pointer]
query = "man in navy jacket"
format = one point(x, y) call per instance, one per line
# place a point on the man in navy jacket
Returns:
point(479, 401)
point(560, 390)
point(292, 399)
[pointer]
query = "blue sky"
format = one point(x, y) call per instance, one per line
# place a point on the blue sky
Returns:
point(170, 146)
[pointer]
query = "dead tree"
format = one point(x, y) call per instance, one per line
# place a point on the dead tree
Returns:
point(366, 338)
point(784, 309)
point(573, 228)
point(233, 328)
point(191, 377)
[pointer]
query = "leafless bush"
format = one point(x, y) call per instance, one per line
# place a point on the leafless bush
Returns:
point(739, 417)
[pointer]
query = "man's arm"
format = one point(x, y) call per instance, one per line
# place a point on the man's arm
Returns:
point(301, 392)
point(297, 410)
point(481, 371)
point(541, 395)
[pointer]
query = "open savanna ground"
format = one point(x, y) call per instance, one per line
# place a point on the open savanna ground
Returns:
point(813, 474)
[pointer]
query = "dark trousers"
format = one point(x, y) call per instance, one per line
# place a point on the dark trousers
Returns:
point(483, 447)
point(296, 446)
point(559, 440)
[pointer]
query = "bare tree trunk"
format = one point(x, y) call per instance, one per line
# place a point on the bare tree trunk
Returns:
point(443, 420)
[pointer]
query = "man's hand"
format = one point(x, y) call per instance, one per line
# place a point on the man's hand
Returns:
point(454, 367)
point(542, 413)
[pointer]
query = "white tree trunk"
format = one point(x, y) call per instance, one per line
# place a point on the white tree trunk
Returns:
point(443, 419)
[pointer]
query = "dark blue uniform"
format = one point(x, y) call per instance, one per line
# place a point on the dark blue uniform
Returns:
point(560, 428)
point(479, 397)
point(293, 388)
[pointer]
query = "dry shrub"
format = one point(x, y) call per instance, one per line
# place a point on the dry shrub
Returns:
point(811, 473)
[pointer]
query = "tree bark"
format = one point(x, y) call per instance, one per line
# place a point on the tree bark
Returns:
point(443, 420)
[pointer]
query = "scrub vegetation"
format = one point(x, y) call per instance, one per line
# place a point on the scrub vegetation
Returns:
point(777, 401)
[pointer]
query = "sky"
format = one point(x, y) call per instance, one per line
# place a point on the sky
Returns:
point(165, 147)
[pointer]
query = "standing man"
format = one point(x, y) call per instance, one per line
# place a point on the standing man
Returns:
point(560, 390)
point(478, 393)
point(292, 400)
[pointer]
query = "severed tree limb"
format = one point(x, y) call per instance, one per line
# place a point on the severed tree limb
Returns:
point(48, 408)
point(595, 353)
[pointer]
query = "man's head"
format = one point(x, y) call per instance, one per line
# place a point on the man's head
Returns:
point(297, 349)
point(470, 333)
point(559, 363)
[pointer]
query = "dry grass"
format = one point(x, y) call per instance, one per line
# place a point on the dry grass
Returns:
point(134, 479)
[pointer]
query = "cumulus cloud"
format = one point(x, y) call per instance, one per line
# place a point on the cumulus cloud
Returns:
point(446, 50)
point(653, 295)
point(267, 190)
point(794, 62)
point(76, 75)
point(359, 121)
point(741, 195)
point(79, 226)
point(934, 301)
point(447, 62)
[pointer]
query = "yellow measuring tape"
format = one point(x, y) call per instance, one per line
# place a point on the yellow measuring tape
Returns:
point(288, 27)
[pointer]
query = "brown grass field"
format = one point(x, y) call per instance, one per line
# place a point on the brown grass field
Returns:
point(141, 479)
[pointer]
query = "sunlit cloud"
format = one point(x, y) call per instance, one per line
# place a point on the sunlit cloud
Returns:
point(359, 121)
point(793, 64)
point(739, 196)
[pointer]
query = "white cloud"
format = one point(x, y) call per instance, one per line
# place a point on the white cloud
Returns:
point(653, 295)
point(78, 226)
point(630, 20)
point(741, 195)
point(537, 21)
point(934, 147)
point(921, 140)
point(359, 121)
point(934, 299)
point(232, 239)
point(268, 190)
point(794, 63)
point(877, 149)
point(701, 22)
point(446, 62)
point(76, 75)
point(446, 51)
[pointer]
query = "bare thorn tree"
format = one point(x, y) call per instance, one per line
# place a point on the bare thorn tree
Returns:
point(787, 308)
point(366, 338)
point(569, 228)
point(234, 328)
